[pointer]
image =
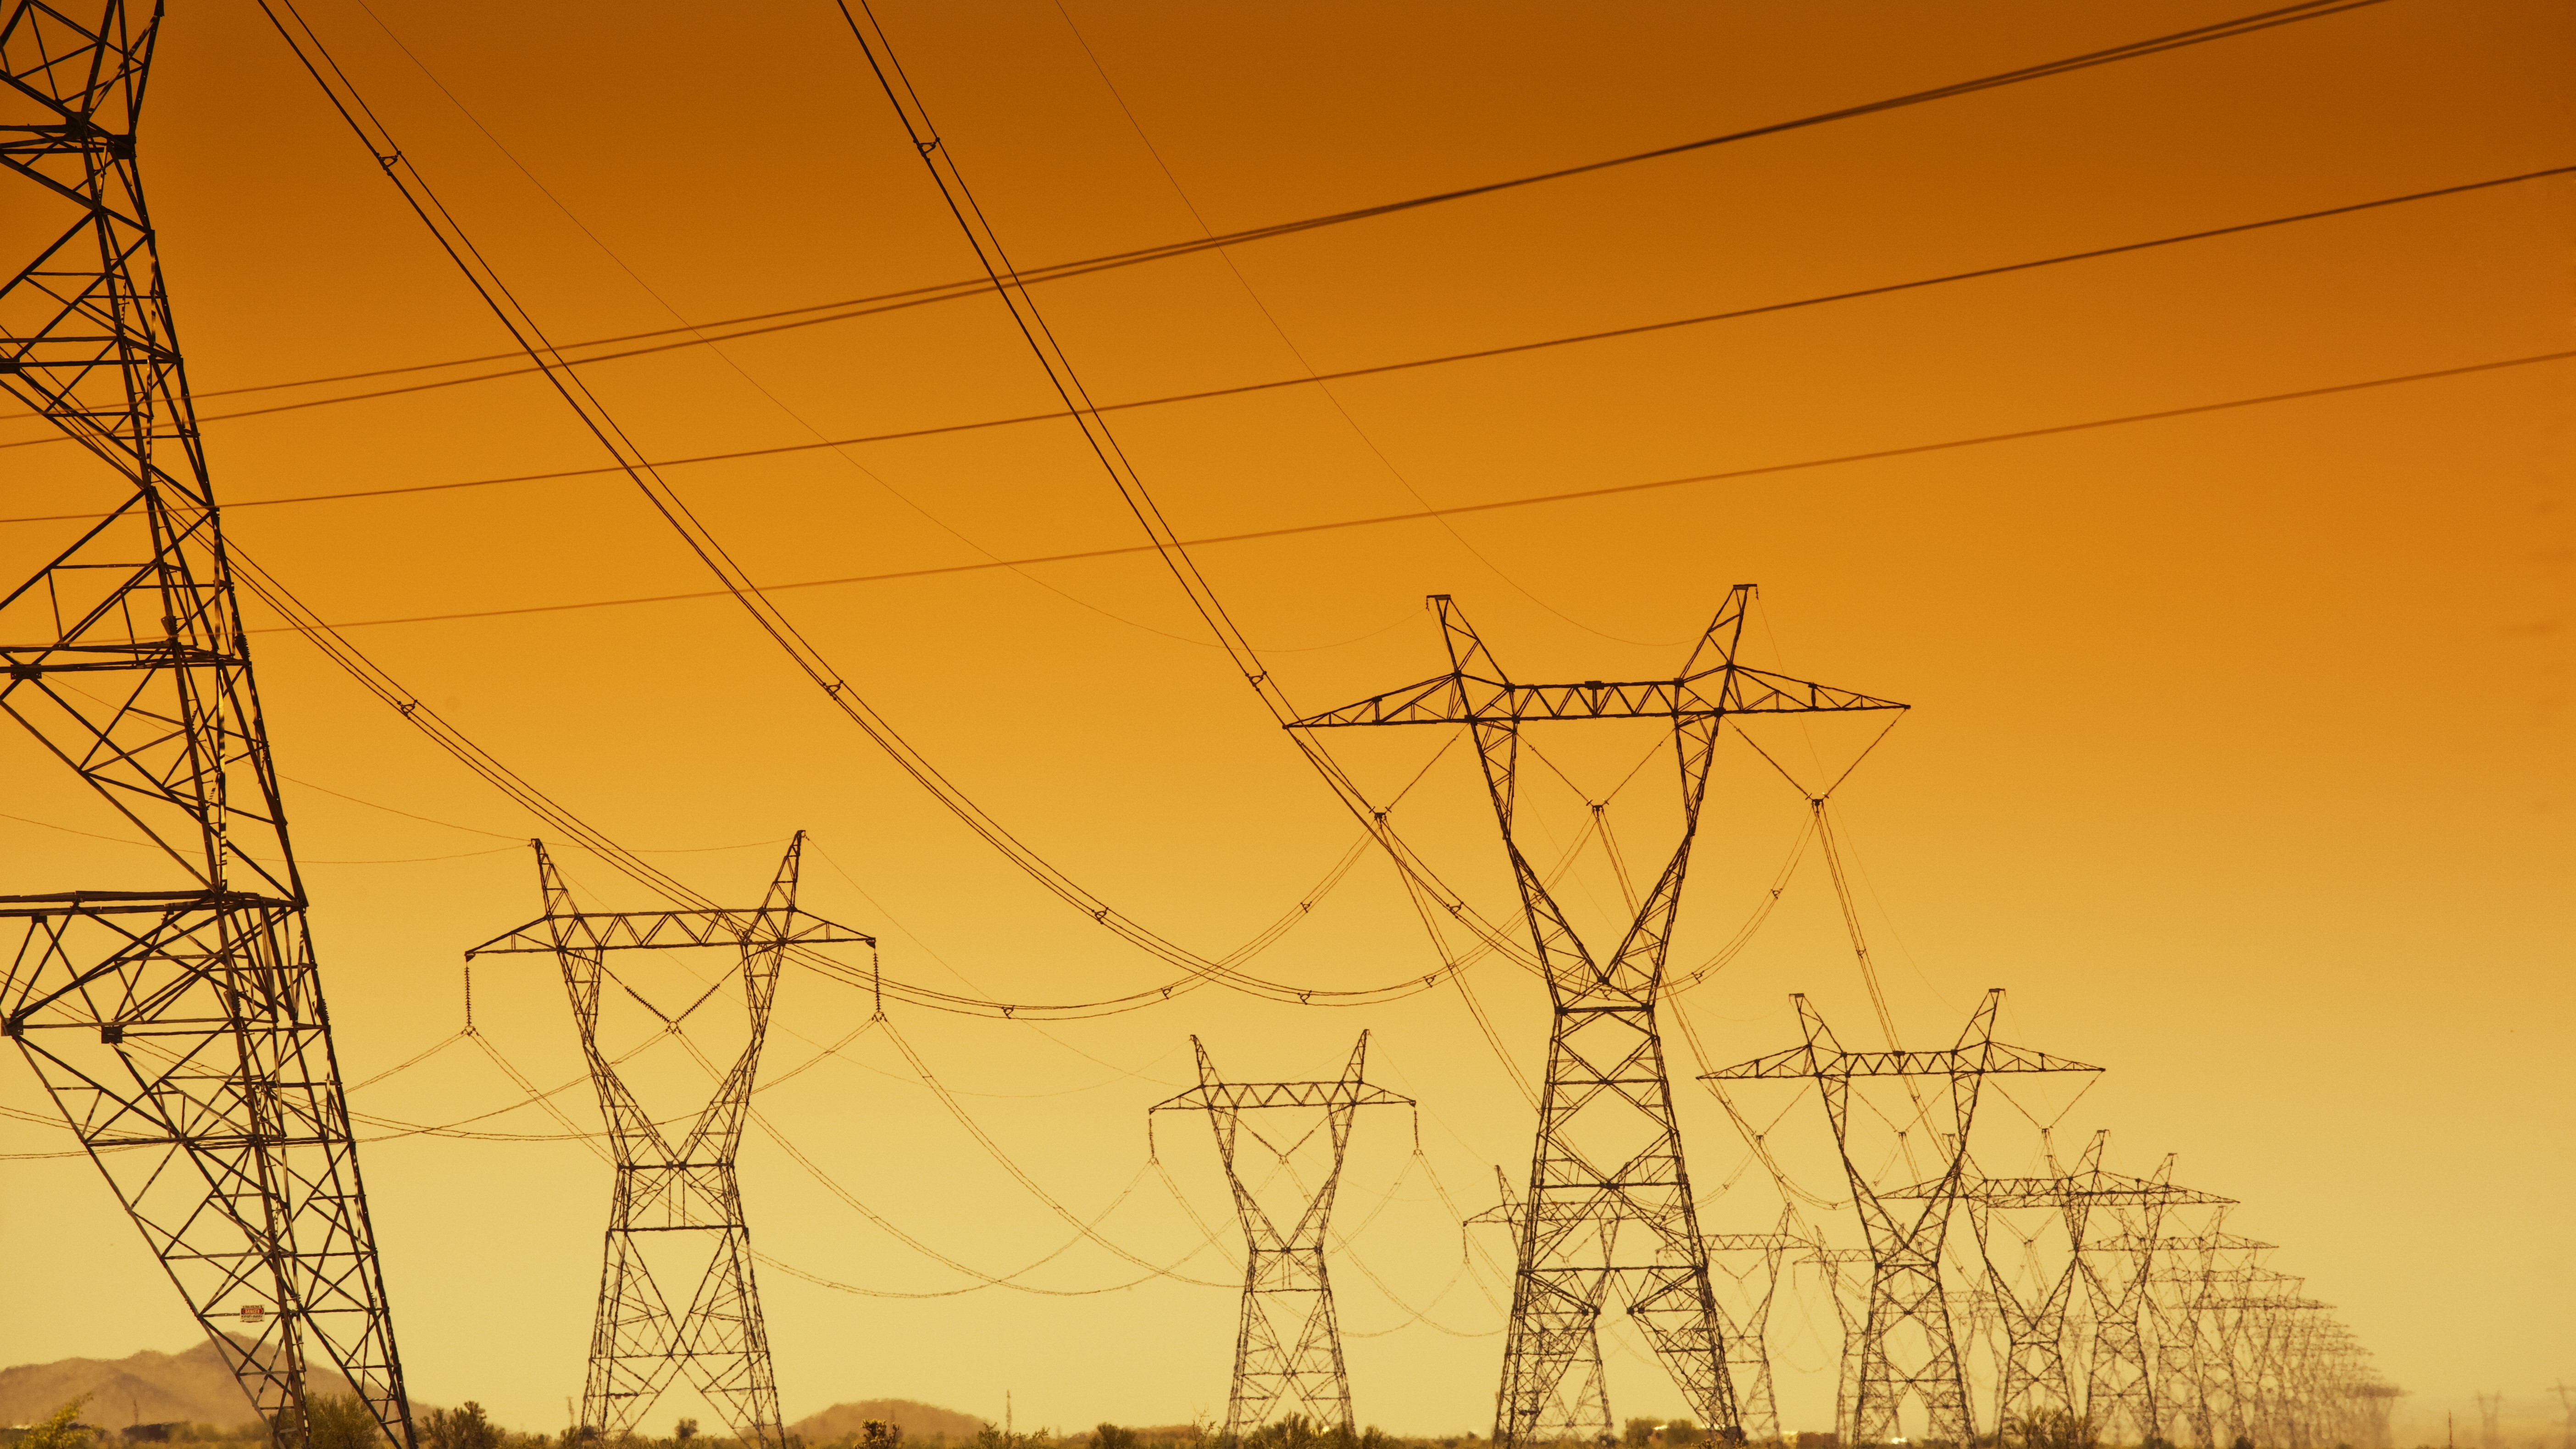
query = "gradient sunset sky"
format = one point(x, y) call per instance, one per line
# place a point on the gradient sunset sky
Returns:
point(2241, 740)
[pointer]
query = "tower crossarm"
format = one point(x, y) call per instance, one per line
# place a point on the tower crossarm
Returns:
point(1752, 1242)
point(2180, 1243)
point(669, 931)
point(1462, 698)
point(1816, 1062)
point(1245, 1096)
point(2096, 1189)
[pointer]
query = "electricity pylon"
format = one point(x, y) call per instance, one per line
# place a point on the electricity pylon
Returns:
point(1609, 1151)
point(1837, 1264)
point(1748, 1335)
point(174, 1012)
point(2035, 1375)
point(2491, 1420)
point(683, 1198)
point(2120, 1389)
point(1287, 1346)
point(1578, 1408)
point(1909, 1312)
point(2193, 1380)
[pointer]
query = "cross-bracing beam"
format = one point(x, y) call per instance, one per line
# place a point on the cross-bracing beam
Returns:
point(2036, 1380)
point(1909, 1346)
point(173, 1010)
point(1608, 1155)
point(676, 1203)
point(1288, 1345)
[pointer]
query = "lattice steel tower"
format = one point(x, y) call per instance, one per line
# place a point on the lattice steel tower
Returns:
point(174, 1011)
point(1287, 1346)
point(1609, 1152)
point(678, 1204)
point(1908, 1345)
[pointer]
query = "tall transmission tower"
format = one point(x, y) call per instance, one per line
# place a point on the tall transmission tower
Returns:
point(2035, 1373)
point(2491, 1420)
point(1909, 1346)
point(1748, 1332)
point(1578, 1408)
point(677, 1205)
point(2194, 1379)
point(1287, 1346)
point(1839, 1267)
point(174, 1011)
point(2378, 1399)
point(2032, 1377)
point(1609, 1150)
point(2120, 1391)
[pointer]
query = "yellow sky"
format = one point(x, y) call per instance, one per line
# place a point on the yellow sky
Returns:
point(2240, 743)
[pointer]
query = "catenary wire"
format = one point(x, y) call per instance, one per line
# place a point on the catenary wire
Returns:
point(1389, 519)
point(1325, 378)
point(2156, 45)
point(344, 98)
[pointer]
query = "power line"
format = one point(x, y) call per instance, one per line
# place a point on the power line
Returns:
point(341, 92)
point(818, 313)
point(1310, 377)
point(1570, 496)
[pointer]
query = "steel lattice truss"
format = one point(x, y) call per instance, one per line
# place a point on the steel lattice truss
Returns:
point(2242, 1353)
point(1288, 1345)
point(2120, 1385)
point(2039, 1337)
point(1748, 1329)
point(1609, 1151)
point(1908, 1346)
point(679, 1202)
point(174, 1014)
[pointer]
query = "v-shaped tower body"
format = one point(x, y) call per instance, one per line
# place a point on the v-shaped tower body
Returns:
point(1909, 1345)
point(676, 1204)
point(1288, 1345)
point(167, 997)
point(1609, 1202)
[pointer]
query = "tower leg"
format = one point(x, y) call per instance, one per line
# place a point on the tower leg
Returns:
point(173, 1011)
point(1607, 1170)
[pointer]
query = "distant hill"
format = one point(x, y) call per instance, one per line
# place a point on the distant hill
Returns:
point(916, 1420)
point(147, 1388)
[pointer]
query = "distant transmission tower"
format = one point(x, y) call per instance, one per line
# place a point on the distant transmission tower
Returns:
point(1608, 1152)
point(1909, 1346)
point(1748, 1334)
point(2195, 1380)
point(1287, 1347)
point(2567, 1404)
point(2491, 1420)
point(2121, 1393)
point(2034, 1373)
point(677, 1205)
point(174, 1012)
point(1578, 1408)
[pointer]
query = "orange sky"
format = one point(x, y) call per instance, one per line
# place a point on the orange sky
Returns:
point(2241, 740)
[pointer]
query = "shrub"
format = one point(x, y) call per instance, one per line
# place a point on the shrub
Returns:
point(61, 1429)
point(465, 1427)
point(340, 1421)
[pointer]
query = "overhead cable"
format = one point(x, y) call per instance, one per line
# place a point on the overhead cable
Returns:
point(823, 312)
point(1576, 495)
point(1315, 378)
point(738, 584)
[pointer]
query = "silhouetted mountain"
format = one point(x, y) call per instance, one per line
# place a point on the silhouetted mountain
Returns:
point(916, 1420)
point(147, 1388)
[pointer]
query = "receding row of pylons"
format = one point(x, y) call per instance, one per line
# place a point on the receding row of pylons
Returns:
point(183, 1033)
